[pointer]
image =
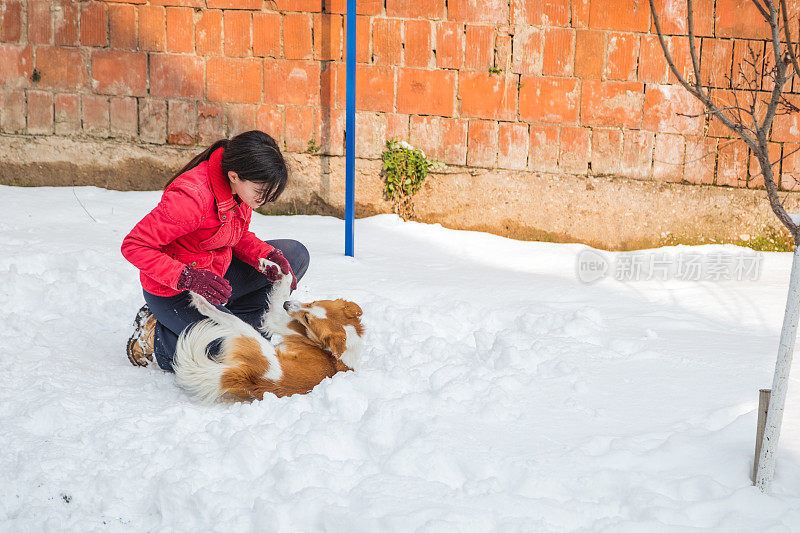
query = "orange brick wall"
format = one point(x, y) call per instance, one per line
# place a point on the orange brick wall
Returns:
point(575, 86)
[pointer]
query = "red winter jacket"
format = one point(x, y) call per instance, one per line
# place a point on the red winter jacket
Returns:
point(197, 223)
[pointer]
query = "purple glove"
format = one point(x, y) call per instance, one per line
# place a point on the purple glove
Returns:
point(276, 256)
point(213, 288)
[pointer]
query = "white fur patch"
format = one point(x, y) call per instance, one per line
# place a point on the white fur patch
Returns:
point(352, 355)
point(318, 312)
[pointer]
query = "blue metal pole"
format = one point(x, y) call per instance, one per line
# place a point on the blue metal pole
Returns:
point(350, 132)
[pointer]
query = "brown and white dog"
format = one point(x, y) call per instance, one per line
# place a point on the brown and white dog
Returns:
point(309, 342)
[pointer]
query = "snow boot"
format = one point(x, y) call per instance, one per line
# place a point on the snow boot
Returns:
point(141, 345)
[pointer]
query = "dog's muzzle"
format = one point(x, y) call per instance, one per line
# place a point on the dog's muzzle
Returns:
point(291, 306)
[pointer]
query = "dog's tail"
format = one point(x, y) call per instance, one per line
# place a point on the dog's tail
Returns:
point(194, 370)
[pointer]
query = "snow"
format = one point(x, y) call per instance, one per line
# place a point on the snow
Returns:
point(497, 392)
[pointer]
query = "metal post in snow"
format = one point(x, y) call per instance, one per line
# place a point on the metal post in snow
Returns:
point(350, 131)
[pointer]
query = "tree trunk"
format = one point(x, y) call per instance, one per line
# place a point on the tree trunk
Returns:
point(769, 444)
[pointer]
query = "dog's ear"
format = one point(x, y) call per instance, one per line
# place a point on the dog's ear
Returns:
point(337, 343)
point(352, 310)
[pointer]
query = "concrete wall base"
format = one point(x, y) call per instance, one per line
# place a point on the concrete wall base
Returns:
point(604, 212)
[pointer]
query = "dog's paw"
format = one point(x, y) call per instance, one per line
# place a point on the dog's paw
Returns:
point(200, 303)
point(265, 265)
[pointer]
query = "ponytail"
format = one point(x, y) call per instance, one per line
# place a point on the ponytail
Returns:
point(199, 158)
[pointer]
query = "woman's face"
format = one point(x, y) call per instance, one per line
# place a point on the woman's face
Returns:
point(248, 192)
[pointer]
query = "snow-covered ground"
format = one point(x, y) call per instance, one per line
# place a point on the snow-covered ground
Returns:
point(498, 392)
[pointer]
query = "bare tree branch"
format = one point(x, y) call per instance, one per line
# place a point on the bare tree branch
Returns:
point(761, 8)
point(789, 47)
point(692, 49)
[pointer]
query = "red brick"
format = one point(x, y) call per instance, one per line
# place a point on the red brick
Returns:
point(122, 26)
point(652, 65)
point(580, 13)
point(449, 45)
point(574, 150)
point(662, 103)
point(549, 100)
point(612, 103)
point(370, 134)
point(790, 169)
point(453, 148)
point(237, 33)
point(426, 134)
point(589, 53)
point(328, 80)
point(94, 16)
point(559, 46)
point(210, 123)
point(269, 119)
point(494, 11)
point(715, 63)
point(527, 55)
point(328, 36)
point(10, 20)
point(740, 19)
point(701, 158)
point(297, 36)
point(387, 41)
point(267, 34)
point(152, 33)
point(786, 128)
point(177, 3)
point(16, 66)
point(177, 76)
point(418, 47)
point(12, 110)
point(397, 126)
point(540, 12)
point(292, 82)
point(679, 50)
point(742, 56)
point(40, 22)
point(363, 7)
point(622, 15)
point(209, 33)
point(235, 4)
point(478, 54)
point(180, 29)
point(123, 115)
point(240, 118)
point(756, 178)
point(234, 80)
point(60, 67)
point(606, 151)
point(543, 153)
point(722, 99)
point(331, 131)
point(153, 120)
point(637, 154)
point(732, 163)
point(95, 115)
point(40, 112)
point(299, 128)
point(363, 32)
point(426, 92)
point(429, 9)
point(375, 88)
point(119, 72)
point(512, 146)
point(623, 53)
point(668, 157)
point(487, 96)
point(502, 52)
point(672, 17)
point(313, 6)
point(66, 23)
point(67, 114)
point(482, 143)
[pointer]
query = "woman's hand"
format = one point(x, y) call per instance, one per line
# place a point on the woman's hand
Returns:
point(213, 288)
point(271, 271)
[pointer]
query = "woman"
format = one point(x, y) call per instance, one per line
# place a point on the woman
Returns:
point(197, 239)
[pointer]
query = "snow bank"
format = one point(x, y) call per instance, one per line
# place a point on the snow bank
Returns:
point(498, 393)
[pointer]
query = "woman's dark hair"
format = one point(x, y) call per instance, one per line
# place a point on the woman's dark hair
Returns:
point(254, 156)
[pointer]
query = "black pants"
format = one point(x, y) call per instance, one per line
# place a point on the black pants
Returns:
point(248, 300)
